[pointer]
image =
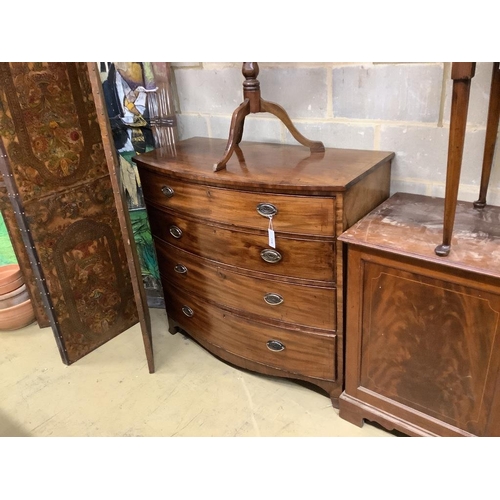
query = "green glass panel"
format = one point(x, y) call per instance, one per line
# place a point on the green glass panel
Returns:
point(7, 255)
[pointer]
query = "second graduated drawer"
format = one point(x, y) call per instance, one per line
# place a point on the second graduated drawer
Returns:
point(297, 258)
point(298, 304)
point(308, 215)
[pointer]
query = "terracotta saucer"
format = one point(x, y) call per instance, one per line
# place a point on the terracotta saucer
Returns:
point(14, 298)
point(10, 278)
point(18, 316)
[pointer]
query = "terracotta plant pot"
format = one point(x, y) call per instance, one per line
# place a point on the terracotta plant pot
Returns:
point(14, 298)
point(18, 316)
point(16, 310)
point(10, 278)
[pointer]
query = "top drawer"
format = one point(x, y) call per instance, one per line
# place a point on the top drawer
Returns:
point(308, 215)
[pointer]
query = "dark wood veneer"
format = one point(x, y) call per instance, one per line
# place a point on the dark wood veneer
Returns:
point(297, 214)
point(423, 333)
point(307, 354)
point(217, 297)
point(266, 167)
point(229, 287)
point(301, 258)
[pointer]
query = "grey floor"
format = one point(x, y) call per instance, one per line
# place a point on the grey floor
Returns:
point(110, 392)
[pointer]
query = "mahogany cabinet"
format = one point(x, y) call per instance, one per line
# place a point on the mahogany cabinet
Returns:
point(423, 332)
point(275, 309)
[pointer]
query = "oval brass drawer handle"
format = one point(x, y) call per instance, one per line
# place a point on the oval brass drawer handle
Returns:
point(187, 311)
point(275, 345)
point(175, 231)
point(271, 256)
point(167, 191)
point(273, 299)
point(267, 209)
point(179, 268)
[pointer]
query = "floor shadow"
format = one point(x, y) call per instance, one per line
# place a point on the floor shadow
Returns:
point(9, 428)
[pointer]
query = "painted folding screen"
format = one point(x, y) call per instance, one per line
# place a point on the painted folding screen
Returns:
point(55, 168)
point(139, 103)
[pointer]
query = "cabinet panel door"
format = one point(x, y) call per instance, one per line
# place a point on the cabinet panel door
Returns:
point(429, 343)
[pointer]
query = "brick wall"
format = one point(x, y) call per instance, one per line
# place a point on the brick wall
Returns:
point(403, 107)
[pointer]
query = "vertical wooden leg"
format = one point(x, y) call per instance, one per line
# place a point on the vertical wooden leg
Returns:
point(491, 135)
point(458, 123)
point(235, 133)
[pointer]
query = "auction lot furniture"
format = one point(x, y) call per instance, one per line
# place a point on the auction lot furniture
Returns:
point(248, 255)
point(423, 331)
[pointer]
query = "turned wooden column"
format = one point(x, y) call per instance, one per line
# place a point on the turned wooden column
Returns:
point(461, 74)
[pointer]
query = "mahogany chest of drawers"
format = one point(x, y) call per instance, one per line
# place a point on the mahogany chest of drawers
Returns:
point(275, 308)
point(423, 332)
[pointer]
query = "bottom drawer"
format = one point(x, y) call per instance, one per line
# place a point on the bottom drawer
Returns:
point(295, 352)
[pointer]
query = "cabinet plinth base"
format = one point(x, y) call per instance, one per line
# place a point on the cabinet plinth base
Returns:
point(355, 411)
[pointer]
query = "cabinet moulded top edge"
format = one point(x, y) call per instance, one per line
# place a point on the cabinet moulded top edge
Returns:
point(265, 166)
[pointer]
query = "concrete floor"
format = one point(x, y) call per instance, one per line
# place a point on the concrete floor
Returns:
point(110, 392)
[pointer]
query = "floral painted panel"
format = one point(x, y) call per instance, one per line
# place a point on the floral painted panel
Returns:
point(79, 241)
point(48, 124)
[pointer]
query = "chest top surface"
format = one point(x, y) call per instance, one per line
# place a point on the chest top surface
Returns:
point(265, 166)
point(412, 225)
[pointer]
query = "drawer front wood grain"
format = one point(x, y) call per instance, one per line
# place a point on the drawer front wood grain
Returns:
point(296, 304)
point(305, 354)
point(300, 258)
point(307, 215)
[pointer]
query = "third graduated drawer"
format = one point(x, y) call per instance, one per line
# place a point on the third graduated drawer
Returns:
point(309, 306)
point(302, 258)
point(309, 215)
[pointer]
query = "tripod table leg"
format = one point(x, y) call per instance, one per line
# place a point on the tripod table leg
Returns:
point(491, 135)
point(461, 73)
